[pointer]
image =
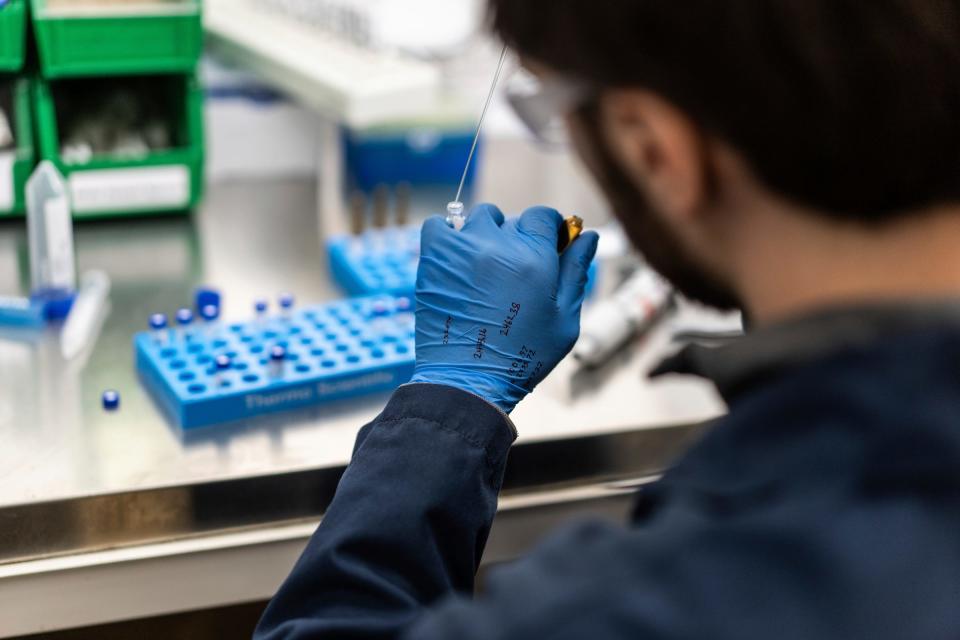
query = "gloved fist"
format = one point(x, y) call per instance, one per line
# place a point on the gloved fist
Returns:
point(497, 307)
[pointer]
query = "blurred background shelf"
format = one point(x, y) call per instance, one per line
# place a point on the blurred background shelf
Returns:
point(16, 165)
point(169, 179)
point(339, 79)
point(13, 26)
point(84, 39)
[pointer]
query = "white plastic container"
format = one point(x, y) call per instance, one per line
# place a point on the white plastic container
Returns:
point(632, 308)
point(53, 271)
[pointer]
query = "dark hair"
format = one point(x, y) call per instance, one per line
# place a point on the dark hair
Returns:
point(848, 106)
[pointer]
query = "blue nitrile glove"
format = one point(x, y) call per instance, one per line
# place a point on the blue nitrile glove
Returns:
point(497, 308)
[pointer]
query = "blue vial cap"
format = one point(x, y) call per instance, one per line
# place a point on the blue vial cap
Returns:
point(210, 312)
point(110, 399)
point(158, 321)
point(222, 362)
point(286, 300)
point(278, 353)
point(184, 317)
point(56, 302)
point(403, 304)
point(260, 306)
point(380, 308)
point(205, 296)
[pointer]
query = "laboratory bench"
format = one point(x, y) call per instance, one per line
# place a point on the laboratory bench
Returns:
point(108, 516)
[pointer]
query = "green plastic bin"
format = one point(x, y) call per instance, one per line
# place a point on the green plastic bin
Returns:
point(13, 26)
point(165, 37)
point(169, 181)
point(13, 178)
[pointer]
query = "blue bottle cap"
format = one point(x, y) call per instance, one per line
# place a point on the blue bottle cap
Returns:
point(184, 317)
point(210, 312)
point(56, 302)
point(278, 353)
point(158, 321)
point(204, 296)
point(286, 300)
point(110, 399)
point(223, 362)
point(260, 306)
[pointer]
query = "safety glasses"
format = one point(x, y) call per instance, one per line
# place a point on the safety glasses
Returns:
point(543, 105)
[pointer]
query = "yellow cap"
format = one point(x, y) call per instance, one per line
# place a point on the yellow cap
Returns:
point(574, 226)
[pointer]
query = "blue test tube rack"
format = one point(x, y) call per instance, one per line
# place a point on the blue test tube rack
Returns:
point(331, 351)
point(378, 261)
point(384, 261)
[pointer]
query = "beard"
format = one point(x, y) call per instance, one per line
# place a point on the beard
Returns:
point(648, 232)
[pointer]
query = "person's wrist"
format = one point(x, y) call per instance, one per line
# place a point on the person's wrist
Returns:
point(500, 393)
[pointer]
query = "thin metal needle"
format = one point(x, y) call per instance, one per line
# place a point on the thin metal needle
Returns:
point(483, 115)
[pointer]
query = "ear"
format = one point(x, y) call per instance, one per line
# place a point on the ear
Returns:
point(659, 147)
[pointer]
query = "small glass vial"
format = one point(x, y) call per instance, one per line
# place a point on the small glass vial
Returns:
point(221, 365)
point(158, 323)
point(210, 313)
point(277, 357)
point(286, 305)
point(184, 321)
point(260, 308)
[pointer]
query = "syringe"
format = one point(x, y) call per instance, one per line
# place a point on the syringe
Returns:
point(456, 216)
point(455, 209)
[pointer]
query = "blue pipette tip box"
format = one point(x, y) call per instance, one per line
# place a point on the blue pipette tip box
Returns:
point(378, 261)
point(332, 351)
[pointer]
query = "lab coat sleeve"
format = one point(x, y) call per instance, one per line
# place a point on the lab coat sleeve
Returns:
point(408, 523)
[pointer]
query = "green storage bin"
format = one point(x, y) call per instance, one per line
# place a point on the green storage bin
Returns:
point(13, 26)
point(116, 40)
point(164, 181)
point(13, 178)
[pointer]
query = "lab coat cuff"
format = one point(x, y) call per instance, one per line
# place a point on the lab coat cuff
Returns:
point(477, 420)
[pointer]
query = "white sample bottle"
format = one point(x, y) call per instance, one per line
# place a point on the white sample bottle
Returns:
point(632, 308)
point(53, 272)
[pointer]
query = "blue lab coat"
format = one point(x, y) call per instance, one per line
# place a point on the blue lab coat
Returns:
point(825, 505)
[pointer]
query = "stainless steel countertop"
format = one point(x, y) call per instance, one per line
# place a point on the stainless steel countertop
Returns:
point(58, 447)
